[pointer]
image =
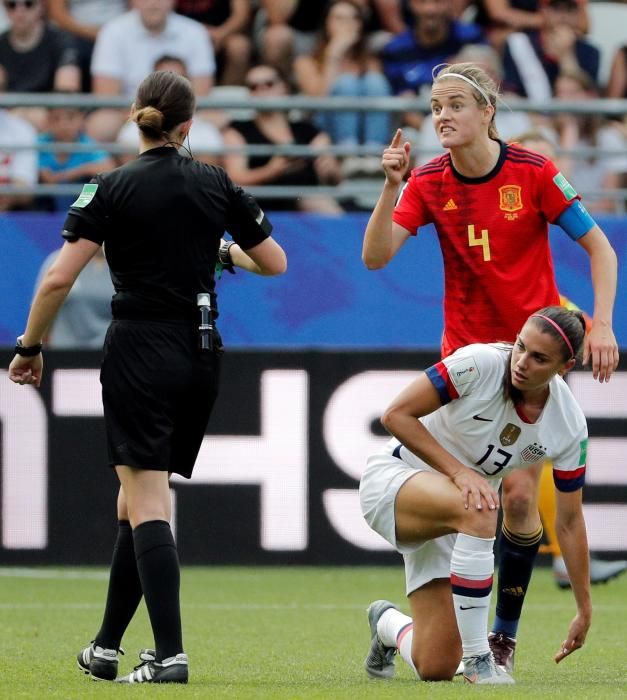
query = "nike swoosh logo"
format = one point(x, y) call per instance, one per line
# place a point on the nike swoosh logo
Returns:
point(478, 417)
point(470, 607)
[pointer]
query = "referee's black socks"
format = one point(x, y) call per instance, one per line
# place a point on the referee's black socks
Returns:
point(124, 592)
point(158, 567)
point(517, 555)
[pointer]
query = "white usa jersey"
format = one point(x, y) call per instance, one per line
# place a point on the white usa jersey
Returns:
point(481, 427)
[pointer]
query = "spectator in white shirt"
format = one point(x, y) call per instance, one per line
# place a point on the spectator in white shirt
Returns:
point(17, 167)
point(204, 138)
point(128, 46)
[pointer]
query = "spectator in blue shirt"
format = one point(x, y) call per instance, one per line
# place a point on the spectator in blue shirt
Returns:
point(410, 57)
point(65, 125)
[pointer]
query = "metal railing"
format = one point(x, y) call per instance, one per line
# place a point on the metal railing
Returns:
point(362, 189)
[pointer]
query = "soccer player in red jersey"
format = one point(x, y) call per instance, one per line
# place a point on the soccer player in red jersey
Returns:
point(491, 204)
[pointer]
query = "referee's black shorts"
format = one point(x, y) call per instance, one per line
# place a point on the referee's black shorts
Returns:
point(158, 391)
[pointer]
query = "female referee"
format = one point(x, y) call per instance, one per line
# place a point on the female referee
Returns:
point(459, 428)
point(491, 204)
point(161, 219)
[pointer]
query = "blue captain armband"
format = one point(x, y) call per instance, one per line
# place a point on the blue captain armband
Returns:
point(575, 220)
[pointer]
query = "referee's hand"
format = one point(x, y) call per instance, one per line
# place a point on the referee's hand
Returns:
point(26, 370)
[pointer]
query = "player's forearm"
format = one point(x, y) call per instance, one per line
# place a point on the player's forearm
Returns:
point(377, 246)
point(604, 270)
point(416, 438)
point(573, 541)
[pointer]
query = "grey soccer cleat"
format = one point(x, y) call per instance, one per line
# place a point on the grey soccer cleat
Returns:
point(380, 660)
point(600, 571)
point(101, 664)
point(482, 670)
point(174, 669)
point(503, 649)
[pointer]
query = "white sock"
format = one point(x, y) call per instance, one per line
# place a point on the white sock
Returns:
point(472, 570)
point(396, 630)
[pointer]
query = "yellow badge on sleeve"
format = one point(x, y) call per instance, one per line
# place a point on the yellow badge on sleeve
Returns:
point(86, 195)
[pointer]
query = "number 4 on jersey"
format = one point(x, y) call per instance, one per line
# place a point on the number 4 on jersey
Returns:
point(483, 241)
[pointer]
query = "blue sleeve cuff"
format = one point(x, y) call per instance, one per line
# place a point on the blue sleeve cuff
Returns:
point(575, 220)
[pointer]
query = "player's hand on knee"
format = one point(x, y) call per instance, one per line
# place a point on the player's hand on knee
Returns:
point(476, 492)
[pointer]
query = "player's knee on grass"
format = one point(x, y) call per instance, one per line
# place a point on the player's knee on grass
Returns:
point(431, 668)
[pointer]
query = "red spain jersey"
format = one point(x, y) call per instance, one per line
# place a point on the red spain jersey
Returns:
point(494, 236)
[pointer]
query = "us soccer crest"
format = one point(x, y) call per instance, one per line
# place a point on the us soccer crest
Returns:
point(509, 434)
point(533, 453)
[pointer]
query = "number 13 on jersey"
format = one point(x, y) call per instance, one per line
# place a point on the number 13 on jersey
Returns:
point(483, 241)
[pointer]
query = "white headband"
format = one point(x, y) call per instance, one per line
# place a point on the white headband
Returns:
point(470, 81)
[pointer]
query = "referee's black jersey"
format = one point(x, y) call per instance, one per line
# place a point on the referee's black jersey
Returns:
point(161, 218)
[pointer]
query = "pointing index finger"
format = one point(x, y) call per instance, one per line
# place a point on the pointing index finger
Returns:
point(396, 138)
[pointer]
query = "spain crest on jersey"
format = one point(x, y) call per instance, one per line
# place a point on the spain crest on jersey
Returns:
point(509, 434)
point(510, 198)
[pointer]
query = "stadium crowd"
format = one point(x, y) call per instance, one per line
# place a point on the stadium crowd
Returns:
point(536, 49)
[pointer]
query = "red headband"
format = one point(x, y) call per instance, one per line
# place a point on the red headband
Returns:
point(559, 330)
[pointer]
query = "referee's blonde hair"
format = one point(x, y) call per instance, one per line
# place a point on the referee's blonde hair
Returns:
point(473, 74)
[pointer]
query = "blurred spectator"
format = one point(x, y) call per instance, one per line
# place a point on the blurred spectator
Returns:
point(617, 84)
point(66, 125)
point(536, 140)
point(35, 57)
point(383, 19)
point(498, 18)
point(83, 319)
point(601, 173)
point(410, 57)
point(16, 167)
point(533, 61)
point(128, 46)
point(286, 29)
point(83, 19)
point(275, 128)
point(204, 138)
point(227, 22)
point(342, 66)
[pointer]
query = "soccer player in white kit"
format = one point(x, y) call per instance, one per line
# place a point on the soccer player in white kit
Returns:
point(458, 429)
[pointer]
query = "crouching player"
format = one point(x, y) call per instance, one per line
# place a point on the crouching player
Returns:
point(458, 429)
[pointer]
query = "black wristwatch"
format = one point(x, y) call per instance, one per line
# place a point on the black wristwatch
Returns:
point(27, 351)
point(224, 256)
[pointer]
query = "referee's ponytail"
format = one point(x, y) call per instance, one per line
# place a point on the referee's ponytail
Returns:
point(164, 100)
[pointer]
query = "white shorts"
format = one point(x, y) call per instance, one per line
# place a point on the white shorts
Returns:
point(385, 473)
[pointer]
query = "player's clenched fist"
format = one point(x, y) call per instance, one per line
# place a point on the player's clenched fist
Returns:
point(396, 159)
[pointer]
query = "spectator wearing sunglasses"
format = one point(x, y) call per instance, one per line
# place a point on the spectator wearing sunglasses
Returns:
point(275, 128)
point(35, 57)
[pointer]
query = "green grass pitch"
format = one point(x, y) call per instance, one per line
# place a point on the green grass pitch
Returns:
point(286, 632)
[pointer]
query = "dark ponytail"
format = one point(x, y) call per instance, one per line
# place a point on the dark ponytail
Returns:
point(164, 100)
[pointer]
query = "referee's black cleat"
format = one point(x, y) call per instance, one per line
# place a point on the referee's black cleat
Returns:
point(171, 670)
point(101, 664)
